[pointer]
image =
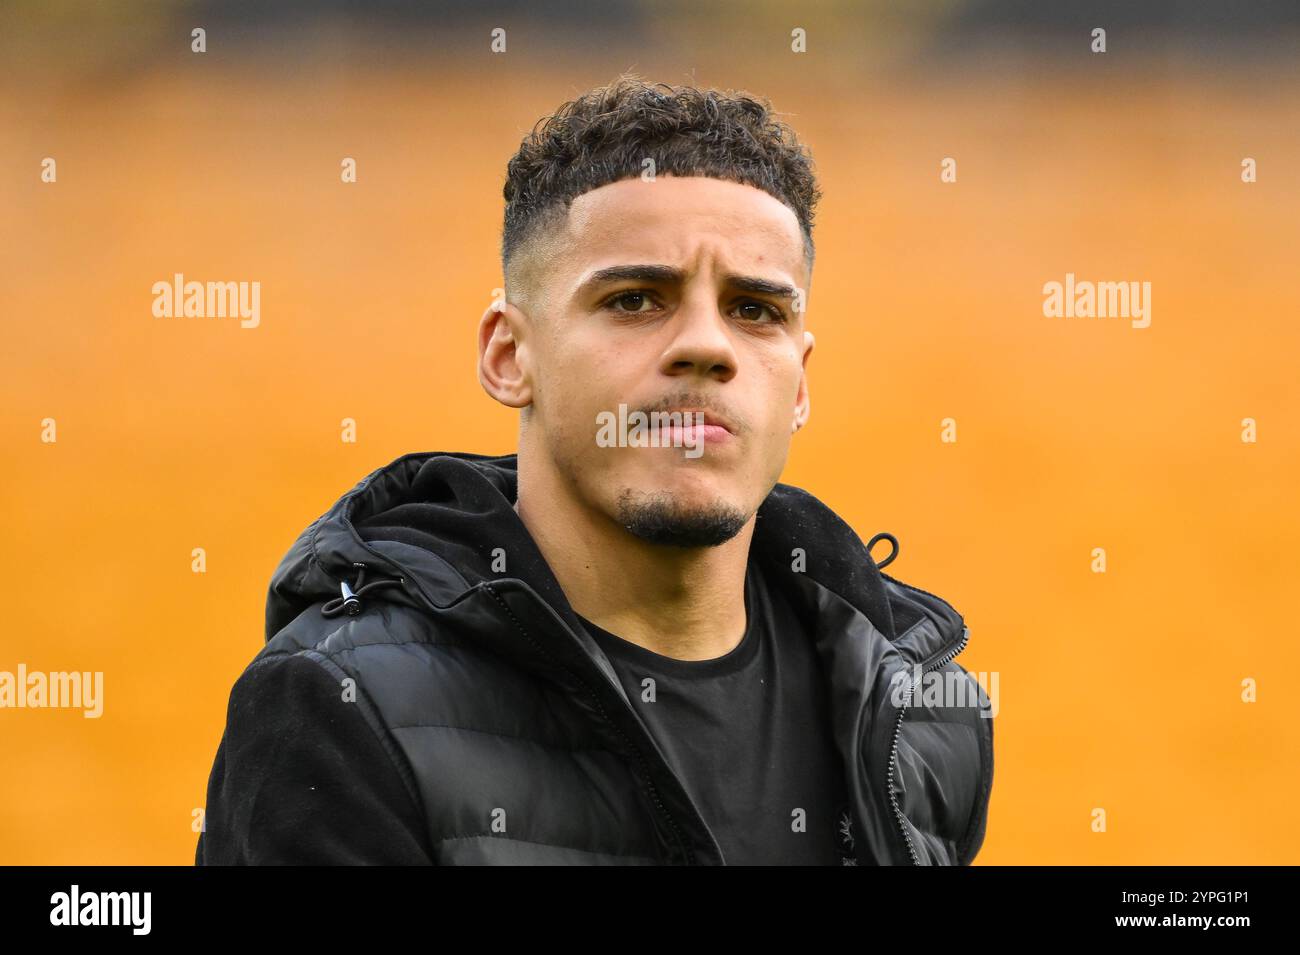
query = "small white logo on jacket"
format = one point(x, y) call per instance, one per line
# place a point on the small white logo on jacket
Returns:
point(844, 837)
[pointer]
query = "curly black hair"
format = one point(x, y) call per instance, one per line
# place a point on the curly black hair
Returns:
point(606, 134)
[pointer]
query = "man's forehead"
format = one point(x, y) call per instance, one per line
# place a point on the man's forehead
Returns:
point(667, 220)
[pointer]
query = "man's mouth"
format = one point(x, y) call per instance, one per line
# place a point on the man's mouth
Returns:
point(712, 422)
point(690, 433)
point(699, 427)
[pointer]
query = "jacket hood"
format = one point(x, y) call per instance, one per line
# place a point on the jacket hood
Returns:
point(441, 523)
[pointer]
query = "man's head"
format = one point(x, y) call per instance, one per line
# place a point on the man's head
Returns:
point(657, 254)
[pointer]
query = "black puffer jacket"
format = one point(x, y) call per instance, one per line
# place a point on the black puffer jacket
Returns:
point(504, 723)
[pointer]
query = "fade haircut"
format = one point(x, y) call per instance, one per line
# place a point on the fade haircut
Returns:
point(606, 134)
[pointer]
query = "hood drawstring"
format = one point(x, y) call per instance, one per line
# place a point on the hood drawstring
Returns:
point(883, 535)
point(350, 599)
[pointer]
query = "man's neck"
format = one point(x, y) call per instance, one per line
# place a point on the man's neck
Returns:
point(684, 603)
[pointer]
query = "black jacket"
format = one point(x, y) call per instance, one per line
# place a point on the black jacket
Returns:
point(427, 695)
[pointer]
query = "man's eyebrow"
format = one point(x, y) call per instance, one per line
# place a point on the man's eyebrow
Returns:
point(666, 274)
point(645, 273)
point(750, 283)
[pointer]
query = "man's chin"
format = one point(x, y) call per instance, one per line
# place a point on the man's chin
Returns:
point(674, 520)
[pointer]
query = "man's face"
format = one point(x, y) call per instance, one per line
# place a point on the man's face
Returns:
point(699, 314)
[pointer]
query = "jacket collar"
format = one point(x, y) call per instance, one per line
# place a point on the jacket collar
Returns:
point(447, 513)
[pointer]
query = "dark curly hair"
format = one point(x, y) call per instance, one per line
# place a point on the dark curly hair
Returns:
point(607, 133)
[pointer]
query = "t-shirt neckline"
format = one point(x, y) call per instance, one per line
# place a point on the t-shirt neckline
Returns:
point(731, 661)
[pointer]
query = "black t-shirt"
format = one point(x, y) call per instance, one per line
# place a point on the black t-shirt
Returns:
point(749, 734)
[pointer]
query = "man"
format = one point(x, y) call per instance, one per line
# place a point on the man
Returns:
point(627, 643)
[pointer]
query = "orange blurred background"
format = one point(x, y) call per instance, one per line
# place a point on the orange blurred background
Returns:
point(1120, 690)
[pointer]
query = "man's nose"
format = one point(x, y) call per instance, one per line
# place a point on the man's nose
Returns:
point(701, 340)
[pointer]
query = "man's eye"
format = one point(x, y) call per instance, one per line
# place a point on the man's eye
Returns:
point(771, 312)
point(636, 297)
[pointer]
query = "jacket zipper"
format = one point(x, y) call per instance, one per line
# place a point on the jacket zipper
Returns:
point(898, 726)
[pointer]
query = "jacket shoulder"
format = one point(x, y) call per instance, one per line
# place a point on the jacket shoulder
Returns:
point(302, 757)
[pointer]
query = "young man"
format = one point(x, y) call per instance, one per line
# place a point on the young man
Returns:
point(627, 643)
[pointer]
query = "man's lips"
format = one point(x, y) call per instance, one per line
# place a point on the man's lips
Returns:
point(712, 421)
point(695, 433)
point(715, 430)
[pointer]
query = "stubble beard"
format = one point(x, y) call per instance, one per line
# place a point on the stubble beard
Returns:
point(660, 518)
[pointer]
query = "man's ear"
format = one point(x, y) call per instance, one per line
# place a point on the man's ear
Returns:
point(801, 404)
point(502, 355)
